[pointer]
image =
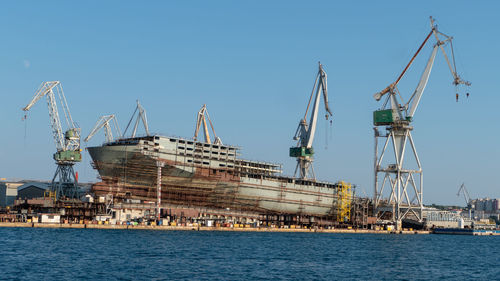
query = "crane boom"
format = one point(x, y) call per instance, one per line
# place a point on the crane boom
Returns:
point(46, 89)
point(70, 140)
point(104, 122)
point(201, 118)
point(142, 114)
point(465, 193)
point(321, 87)
point(417, 95)
point(140, 117)
point(389, 88)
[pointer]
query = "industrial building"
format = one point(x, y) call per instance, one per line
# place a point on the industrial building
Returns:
point(12, 190)
point(435, 218)
point(32, 190)
point(8, 193)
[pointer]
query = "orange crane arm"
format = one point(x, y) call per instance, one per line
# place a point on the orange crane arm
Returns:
point(414, 56)
point(390, 87)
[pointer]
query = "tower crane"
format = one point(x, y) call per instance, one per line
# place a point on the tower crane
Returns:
point(67, 143)
point(201, 118)
point(397, 115)
point(105, 122)
point(304, 135)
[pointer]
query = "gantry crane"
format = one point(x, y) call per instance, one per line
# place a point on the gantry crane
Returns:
point(304, 135)
point(67, 143)
point(201, 118)
point(105, 122)
point(397, 116)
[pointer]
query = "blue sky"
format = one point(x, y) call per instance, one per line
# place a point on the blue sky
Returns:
point(254, 64)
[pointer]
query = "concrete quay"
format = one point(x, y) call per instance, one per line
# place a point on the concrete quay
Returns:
point(203, 228)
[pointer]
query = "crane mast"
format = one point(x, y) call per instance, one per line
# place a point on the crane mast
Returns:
point(304, 134)
point(402, 181)
point(68, 150)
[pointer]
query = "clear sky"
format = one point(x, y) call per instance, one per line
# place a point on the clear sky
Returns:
point(254, 64)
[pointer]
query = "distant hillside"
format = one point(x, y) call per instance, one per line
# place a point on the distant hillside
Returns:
point(444, 207)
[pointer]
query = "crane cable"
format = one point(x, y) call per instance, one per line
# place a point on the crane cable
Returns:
point(25, 128)
point(328, 132)
point(455, 74)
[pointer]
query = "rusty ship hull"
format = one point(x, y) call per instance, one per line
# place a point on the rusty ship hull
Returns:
point(197, 174)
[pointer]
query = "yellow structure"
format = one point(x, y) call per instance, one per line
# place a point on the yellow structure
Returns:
point(50, 194)
point(345, 197)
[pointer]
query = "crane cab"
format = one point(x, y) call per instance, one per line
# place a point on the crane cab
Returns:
point(68, 155)
point(72, 134)
point(385, 117)
point(301, 151)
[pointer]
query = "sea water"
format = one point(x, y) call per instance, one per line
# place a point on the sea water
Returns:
point(91, 254)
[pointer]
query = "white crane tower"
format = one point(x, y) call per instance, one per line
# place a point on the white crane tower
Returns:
point(201, 118)
point(404, 183)
point(67, 143)
point(303, 151)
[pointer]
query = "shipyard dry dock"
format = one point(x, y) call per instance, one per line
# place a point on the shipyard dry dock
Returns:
point(187, 173)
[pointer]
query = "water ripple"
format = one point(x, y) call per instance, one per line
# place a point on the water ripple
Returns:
point(82, 254)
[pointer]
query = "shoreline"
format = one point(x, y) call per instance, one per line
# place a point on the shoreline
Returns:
point(203, 228)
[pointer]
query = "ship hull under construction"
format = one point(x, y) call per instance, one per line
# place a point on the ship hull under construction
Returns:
point(197, 174)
